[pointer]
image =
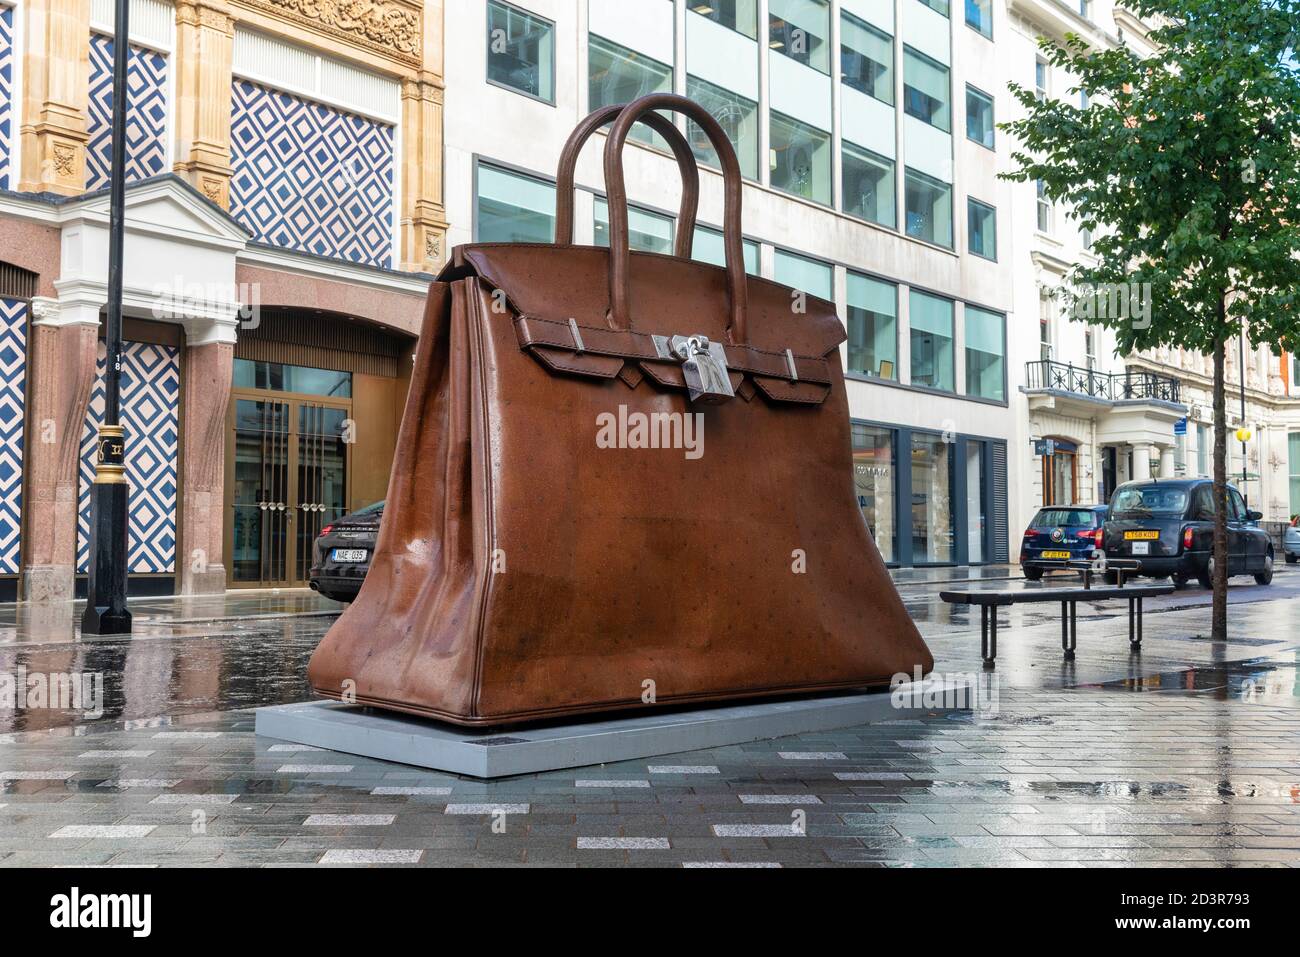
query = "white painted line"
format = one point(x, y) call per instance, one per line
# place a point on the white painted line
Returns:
point(439, 792)
point(756, 830)
point(486, 809)
point(780, 799)
point(195, 799)
point(813, 755)
point(612, 783)
point(623, 844)
point(314, 769)
point(683, 769)
point(349, 820)
point(104, 830)
point(371, 857)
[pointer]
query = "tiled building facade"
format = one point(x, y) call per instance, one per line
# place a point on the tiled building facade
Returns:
point(284, 212)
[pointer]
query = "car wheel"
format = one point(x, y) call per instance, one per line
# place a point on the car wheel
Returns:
point(1205, 577)
point(1180, 580)
point(1292, 559)
point(1266, 576)
point(1033, 574)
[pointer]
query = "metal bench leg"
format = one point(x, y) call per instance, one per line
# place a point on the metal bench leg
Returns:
point(1139, 616)
point(993, 635)
point(1074, 629)
point(984, 634)
point(989, 635)
point(1065, 628)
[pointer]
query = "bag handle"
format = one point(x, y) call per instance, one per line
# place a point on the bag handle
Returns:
point(564, 177)
point(615, 185)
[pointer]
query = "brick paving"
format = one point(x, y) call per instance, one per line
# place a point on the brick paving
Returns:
point(1188, 755)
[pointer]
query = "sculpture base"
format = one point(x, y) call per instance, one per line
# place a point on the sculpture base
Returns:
point(498, 753)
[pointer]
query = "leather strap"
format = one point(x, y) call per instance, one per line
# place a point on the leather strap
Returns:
point(640, 346)
point(620, 257)
point(564, 177)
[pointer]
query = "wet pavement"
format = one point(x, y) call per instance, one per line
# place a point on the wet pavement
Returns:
point(1187, 753)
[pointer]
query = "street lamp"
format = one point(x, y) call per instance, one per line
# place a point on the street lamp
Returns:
point(106, 612)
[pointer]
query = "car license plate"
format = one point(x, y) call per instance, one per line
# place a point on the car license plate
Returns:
point(349, 555)
point(1056, 554)
point(1141, 548)
point(1142, 535)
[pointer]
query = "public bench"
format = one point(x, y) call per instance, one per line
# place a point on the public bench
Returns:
point(990, 601)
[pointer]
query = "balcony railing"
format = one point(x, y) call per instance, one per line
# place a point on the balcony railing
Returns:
point(1113, 387)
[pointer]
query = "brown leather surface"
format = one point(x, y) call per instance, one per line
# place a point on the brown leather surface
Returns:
point(524, 572)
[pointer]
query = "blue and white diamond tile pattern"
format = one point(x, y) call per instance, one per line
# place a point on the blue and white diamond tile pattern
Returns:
point(7, 66)
point(151, 381)
point(13, 377)
point(146, 115)
point(311, 178)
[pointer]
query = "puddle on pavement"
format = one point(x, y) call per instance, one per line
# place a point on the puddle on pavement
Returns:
point(1257, 681)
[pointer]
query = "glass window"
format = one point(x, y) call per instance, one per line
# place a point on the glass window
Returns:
point(979, 117)
point(617, 75)
point(1040, 79)
point(707, 247)
point(928, 208)
point(799, 272)
point(979, 14)
point(1085, 9)
point(1044, 207)
point(932, 518)
point(1139, 501)
point(938, 6)
point(925, 89)
point(872, 326)
point(252, 374)
point(647, 232)
point(738, 15)
point(976, 496)
point(738, 118)
point(801, 29)
point(801, 159)
point(513, 208)
point(866, 58)
point(869, 186)
point(981, 229)
point(1293, 450)
point(521, 51)
point(873, 481)
point(1203, 450)
point(931, 338)
point(985, 349)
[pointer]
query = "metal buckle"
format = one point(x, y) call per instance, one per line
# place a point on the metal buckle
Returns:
point(704, 367)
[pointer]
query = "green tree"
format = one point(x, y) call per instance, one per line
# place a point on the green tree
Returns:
point(1187, 162)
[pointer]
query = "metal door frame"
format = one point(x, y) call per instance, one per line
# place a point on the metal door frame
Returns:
point(295, 401)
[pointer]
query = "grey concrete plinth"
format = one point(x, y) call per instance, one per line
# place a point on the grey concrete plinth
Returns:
point(495, 753)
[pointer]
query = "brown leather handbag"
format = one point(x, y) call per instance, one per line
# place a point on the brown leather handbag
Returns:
point(622, 479)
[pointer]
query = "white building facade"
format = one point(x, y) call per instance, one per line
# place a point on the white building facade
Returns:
point(865, 132)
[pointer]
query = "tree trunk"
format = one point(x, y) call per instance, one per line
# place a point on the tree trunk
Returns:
point(1219, 617)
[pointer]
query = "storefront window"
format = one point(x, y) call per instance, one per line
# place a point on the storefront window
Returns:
point(647, 232)
point(872, 326)
point(931, 339)
point(925, 89)
point(707, 247)
point(873, 480)
point(513, 208)
point(521, 51)
point(801, 159)
point(976, 496)
point(738, 118)
point(928, 207)
point(738, 15)
point(866, 58)
point(985, 348)
point(932, 513)
point(801, 30)
point(251, 374)
point(617, 75)
point(869, 186)
point(809, 275)
point(1293, 446)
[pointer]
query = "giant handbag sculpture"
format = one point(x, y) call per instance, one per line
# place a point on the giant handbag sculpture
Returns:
point(621, 478)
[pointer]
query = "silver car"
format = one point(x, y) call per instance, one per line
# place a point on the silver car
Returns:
point(1291, 544)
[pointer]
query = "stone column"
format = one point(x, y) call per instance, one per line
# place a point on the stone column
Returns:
point(1167, 462)
point(1141, 463)
point(62, 355)
point(424, 214)
point(205, 35)
point(206, 395)
point(56, 80)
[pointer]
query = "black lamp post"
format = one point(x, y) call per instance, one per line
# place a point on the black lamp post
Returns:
point(106, 612)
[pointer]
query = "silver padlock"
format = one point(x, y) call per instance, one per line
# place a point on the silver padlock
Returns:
point(704, 367)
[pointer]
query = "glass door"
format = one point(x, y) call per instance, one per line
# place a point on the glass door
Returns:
point(262, 511)
point(321, 475)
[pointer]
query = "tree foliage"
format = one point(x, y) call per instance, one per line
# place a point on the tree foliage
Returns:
point(1186, 164)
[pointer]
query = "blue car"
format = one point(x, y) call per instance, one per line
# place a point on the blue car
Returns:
point(1061, 533)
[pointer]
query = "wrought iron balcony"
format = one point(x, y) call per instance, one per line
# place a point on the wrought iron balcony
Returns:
point(1112, 387)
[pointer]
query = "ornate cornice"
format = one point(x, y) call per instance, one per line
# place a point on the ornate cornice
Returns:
point(387, 27)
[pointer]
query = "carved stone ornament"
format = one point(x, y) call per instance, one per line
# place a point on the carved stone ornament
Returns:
point(65, 159)
point(386, 26)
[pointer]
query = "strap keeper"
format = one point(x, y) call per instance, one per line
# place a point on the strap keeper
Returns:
point(789, 364)
point(577, 336)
